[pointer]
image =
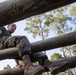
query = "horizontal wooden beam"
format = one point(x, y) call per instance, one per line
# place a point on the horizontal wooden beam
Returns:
point(54, 42)
point(71, 63)
point(44, 45)
point(13, 71)
point(16, 10)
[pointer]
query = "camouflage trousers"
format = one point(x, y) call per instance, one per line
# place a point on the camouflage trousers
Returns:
point(23, 45)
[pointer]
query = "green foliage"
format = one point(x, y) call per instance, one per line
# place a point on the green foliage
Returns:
point(55, 20)
point(75, 29)
point(58, 21)
point(37, 26)
point(20, 62)
point(61, 74)
point(73, 14)
point(74, 50)
point(56, 56)
point(7, 67)
point(73, 11)
point(61, 10)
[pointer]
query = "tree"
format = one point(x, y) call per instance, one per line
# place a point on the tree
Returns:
point(73, 11)
point(57, 20)
point(56, 56)
point(59, 24)
point(7, 67)
point(73, 14)
point(74, 50)
point(36, 25)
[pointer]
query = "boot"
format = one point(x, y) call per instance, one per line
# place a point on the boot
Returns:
point(56, 67)
point(29, 68)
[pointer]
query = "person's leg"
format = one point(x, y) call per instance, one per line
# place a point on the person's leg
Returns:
point(41, 58)
point(24, 47)
point(53, 67)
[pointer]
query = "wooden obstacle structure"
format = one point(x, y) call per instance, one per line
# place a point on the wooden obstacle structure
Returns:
point(12, 11)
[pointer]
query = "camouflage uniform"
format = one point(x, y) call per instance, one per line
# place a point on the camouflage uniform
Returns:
point(24, 48)
point(22, 43)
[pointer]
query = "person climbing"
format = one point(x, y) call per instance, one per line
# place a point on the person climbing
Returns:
point(25, 52)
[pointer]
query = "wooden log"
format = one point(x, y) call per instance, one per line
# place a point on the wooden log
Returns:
point(51, 43)
point(16, 10)
point(20, 71)
point(13, 71)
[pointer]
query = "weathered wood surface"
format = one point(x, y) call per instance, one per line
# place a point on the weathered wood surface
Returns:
point(51, 43)
point(16, 10)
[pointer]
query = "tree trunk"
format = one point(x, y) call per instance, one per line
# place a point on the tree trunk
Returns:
point(16, 10)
